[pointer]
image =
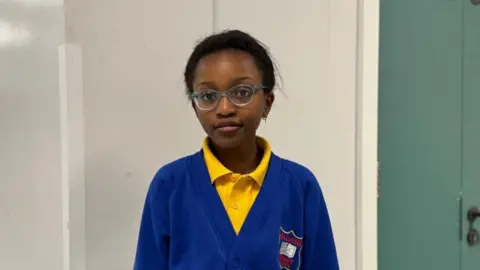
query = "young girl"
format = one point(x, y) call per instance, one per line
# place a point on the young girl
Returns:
point(234, 204)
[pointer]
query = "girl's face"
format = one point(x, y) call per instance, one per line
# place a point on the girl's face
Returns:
point(226, 124)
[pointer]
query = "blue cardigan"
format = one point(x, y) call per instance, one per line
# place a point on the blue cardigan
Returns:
point(185, 225)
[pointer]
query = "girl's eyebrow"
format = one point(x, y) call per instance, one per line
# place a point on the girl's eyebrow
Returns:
point(235, 81)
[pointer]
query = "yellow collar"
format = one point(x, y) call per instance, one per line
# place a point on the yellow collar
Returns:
point(216, 169)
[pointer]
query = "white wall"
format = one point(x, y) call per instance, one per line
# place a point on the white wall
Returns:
point(115, 104)
point(31, 228)
point(137, 117)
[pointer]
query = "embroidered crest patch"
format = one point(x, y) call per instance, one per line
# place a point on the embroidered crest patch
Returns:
point(290, 246)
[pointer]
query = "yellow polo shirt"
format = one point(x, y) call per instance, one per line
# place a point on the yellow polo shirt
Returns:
point(238, 192)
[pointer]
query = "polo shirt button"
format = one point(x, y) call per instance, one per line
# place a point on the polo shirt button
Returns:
point(236, 262)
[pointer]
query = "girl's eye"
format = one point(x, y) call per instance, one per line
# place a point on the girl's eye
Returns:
point(208, 96)
point(242, 92)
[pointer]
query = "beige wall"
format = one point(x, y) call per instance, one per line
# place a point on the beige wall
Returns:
point(137, 117)
point(31, 228)
point(120, 87)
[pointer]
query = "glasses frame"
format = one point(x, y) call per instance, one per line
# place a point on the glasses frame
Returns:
point(255, 87)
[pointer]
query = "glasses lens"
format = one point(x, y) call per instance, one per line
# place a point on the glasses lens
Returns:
point(241, 94)
point(207, 99)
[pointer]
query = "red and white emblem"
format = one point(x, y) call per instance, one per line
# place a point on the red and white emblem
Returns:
point(290, 246)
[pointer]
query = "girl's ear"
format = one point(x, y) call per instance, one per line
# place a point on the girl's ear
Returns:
point(269, 100)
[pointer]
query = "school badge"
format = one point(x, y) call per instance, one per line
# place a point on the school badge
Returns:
point(290, 247)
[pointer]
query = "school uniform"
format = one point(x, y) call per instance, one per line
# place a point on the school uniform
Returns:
point(200, 215)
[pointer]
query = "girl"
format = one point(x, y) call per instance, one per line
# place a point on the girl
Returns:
point(234, 204)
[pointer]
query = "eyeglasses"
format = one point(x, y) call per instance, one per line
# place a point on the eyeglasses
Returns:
point(239, 95)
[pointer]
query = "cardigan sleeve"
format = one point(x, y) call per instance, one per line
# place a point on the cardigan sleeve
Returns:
point(153, 240)
point(320, 251)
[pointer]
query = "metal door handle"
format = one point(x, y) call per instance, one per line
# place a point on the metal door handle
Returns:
point(473, 237)
point(473, 214)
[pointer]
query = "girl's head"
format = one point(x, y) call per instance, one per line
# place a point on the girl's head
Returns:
point(230, 79)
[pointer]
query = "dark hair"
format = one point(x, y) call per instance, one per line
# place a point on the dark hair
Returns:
point(232, 39)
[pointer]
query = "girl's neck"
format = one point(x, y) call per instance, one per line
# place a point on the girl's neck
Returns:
point(242, 159)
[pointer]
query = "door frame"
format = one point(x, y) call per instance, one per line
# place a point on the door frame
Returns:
point(366, 167)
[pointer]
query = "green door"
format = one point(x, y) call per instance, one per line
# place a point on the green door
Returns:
point(429, 134)
point(471, 129)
